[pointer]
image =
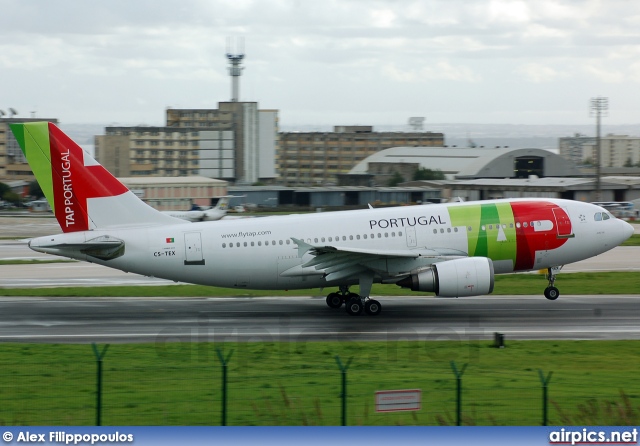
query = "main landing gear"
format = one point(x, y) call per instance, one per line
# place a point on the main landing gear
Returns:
point(551, 292)
point(354, 303)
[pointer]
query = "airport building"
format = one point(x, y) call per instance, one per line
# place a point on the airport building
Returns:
point(459, 163)
point(236, 142)
point(614, 189)
point(176, 193)
point(333, 196)
point(318, 158)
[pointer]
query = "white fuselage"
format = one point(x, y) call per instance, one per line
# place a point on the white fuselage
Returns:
point(260, 253)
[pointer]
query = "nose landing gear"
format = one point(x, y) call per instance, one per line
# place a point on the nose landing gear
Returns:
point(551, 292)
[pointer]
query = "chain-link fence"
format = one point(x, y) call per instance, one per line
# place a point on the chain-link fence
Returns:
point(69, 386)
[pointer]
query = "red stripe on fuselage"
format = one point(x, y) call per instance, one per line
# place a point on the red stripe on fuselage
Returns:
point(528, 239)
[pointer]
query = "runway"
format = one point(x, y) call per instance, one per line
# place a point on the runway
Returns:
point(308, 319)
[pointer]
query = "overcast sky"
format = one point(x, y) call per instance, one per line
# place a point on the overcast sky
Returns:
point(324, 62)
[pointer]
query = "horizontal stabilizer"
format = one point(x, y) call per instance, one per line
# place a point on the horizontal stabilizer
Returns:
point(104, 247)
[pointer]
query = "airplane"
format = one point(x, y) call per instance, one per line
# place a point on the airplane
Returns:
point(215, 213)
point(449, 249)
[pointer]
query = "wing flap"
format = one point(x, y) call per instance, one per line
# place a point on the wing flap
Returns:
point(339, 262)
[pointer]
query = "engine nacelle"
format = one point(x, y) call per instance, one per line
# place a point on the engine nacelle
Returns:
point(470, 276)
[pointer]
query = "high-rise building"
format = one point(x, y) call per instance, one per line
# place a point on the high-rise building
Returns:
point(236, 142)
point(316, 158)
point(615, 150)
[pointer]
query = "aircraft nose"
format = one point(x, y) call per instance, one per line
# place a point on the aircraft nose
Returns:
point(627, 230)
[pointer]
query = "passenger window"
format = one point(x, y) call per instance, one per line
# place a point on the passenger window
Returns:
point(435, 231)
point(525, 224)
point(224, 245)
point(365, 236)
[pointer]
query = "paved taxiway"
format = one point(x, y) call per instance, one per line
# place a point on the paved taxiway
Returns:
point(304, 319)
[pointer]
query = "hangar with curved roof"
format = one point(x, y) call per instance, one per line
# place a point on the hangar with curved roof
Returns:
point(461, 163)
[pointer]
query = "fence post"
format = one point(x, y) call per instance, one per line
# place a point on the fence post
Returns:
point(99, 357)
point(343, 370)
point(458, 374)
point(224, 361)
point(545, 393)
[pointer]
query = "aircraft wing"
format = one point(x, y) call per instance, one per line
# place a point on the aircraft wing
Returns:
point(336, 263)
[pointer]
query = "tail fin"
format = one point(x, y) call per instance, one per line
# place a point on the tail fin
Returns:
point(82, 194)
point(223, 203)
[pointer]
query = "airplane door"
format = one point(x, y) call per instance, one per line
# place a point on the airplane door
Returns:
point(193, 249)
point(412, 239)
point(563, 222)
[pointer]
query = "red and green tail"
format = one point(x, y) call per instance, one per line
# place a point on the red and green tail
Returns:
point(82, 194)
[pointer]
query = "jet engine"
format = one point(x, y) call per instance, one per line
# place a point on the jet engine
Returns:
point(469, 276)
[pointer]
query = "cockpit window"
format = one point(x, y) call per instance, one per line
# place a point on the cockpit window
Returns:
point(598, 216)
point(605, 216)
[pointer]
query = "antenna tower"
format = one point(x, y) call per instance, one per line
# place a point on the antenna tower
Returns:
point(599, 107)
point(235, 54)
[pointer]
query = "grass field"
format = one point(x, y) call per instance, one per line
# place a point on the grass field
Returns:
point(633, 241)
point(593, 383)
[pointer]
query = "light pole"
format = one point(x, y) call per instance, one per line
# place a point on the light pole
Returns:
point(599, 107)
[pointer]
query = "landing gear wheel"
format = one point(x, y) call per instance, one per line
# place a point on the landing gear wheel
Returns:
point(334, 300)
point(551, 293)
point(354, 306)
point(372, 307)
